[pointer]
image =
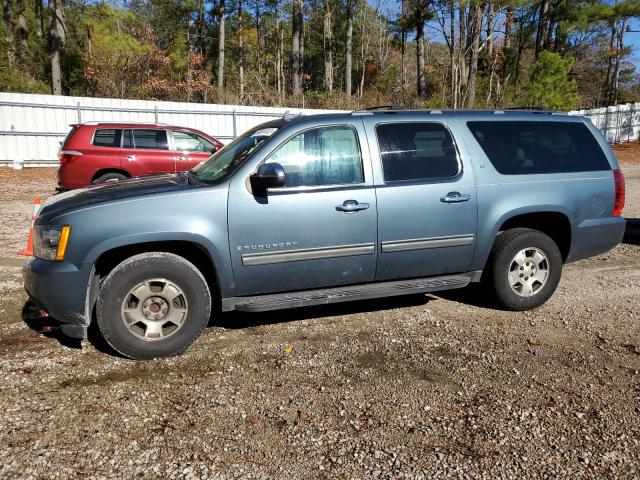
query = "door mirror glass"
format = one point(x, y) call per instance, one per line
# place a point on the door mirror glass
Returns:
point(269, 175)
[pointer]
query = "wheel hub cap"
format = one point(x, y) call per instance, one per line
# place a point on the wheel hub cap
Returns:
point(528, 271)
point(154, 309)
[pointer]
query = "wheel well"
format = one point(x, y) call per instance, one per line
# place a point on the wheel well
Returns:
point(555, 225)
point(104, 171)
point(190, 251)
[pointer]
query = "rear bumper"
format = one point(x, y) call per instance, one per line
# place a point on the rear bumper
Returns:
point(61, 289)
point(595, 236)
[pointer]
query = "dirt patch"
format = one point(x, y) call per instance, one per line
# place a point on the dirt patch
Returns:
point(419, 387)
point(628, 153)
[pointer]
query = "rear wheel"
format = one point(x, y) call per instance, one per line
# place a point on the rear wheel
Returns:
point(109, 177)
point(153, 305)
point(524, 269)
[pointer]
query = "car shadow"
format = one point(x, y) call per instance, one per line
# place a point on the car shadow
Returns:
point(239, 320)
point(38, 321)
point(474, 294)
point(632, 232)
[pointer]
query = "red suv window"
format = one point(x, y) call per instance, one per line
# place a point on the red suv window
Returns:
point(107, 137)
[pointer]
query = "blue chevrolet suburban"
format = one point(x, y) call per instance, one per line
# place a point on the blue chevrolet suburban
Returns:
point(330, 208)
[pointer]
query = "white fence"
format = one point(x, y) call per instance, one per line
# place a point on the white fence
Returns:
point(32, 126)
point(620, 123)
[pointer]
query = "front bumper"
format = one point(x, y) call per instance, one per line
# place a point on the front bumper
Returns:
point(61, 289)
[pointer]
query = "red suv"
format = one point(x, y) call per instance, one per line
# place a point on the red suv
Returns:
point(102, 152)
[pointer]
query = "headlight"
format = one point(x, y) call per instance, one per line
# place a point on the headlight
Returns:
point(50, 242)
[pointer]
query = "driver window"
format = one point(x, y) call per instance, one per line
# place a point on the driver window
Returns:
point(190, 142)
point(321, 156)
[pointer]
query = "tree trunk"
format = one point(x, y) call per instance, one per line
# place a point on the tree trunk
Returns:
point(490, 27)
point(616, 74)
point(278, 48)
point(296, 47)
point(258, 57)
point(541, 33)
point(453, 53)
point(7, 18)
point(22, 31)
point(475, 27)
point(221, 40)
point(57, 40)
point(241, 51)
point(327, 46)
point(349, 47)
point(422, 84)
point(403, 47)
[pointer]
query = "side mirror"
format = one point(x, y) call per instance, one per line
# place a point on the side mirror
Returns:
point(214, 149)
point(269, 175)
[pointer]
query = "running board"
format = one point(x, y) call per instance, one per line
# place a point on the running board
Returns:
point(277, 301)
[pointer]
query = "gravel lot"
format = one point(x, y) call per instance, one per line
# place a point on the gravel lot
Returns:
point(416, 387)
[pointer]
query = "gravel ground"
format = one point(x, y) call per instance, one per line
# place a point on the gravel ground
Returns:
point(416, 387)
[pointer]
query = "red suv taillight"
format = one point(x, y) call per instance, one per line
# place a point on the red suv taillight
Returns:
point(66, 156)
point(618, 204)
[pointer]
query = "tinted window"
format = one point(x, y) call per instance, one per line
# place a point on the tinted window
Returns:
point(127, 139)
point(321, 156)
point(107, 137)
point(190, 142)
point(516, 148)
point(416, 151)
point(151, 139)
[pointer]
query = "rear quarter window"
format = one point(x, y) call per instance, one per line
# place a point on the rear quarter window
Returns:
point(519, 148)
point(107, 137)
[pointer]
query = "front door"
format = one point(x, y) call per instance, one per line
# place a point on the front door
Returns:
point(190, 149)
point(320, 230)
point(427, 205)
point(146, 152)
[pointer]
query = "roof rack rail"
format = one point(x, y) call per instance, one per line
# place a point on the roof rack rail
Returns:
point(99, 122)
point(539, 110)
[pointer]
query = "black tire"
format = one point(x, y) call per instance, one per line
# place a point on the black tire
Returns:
point(178, 272)
point(505, 248)
point(109, 177)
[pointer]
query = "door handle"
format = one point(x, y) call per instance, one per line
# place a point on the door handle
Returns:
point(351, 206)
point(181, 158)
point(131, 158)
point(455, 197)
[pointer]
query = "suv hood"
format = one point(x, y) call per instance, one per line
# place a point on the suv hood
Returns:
point(108, 192)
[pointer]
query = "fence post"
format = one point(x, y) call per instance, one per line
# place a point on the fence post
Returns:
point(155, 114)
point(235, 125)
point(78, 111)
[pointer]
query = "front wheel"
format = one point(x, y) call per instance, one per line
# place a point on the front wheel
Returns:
point(153, 305)
point(524, 269)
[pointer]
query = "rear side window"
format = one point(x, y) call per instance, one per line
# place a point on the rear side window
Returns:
point(150, 139)
point(517, 148)
point(107, 137)
point(416, 151)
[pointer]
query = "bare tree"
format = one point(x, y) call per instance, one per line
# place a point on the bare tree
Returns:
point(349, 49)
point(297, 46)
point(57, 40)
point(327, 44)
point(221, 40)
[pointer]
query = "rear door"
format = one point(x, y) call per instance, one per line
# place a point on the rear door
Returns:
point(190, 149)
point(427, 207)
point(145, 151)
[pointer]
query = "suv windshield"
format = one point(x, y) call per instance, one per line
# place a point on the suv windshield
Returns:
point(228, 158)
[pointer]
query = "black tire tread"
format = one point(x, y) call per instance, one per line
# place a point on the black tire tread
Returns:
point(491, 277)
point(143, 257)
